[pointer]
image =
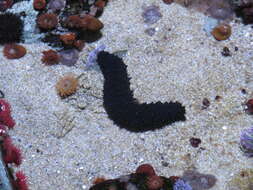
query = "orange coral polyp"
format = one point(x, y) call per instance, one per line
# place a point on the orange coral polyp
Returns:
point(68, 39)
point(91, 23)
point(73, 21)
point(47, 21)
point(50, 57)
point(67, 85)
point(39, 4)
point(14, 51)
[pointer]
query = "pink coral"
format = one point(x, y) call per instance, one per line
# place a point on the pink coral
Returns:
point(21, 182)
point(11, 154)
point(5, 114)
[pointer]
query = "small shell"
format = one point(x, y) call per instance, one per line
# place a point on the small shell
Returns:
point(222, 32)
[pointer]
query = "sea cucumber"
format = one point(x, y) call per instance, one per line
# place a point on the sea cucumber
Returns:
point(124, 109)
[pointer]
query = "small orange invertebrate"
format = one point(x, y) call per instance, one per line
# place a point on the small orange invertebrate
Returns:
point(68, 39)
point(50, 57)
point(67, 85)
point(47, 21)
point(73, 21)
point(91, 23)
point(14, 51)
point(39, 4)
point(222, 32)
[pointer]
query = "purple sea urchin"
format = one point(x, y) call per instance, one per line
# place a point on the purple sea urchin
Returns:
point(246, 142)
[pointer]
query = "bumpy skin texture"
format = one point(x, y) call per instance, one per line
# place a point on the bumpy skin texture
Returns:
point(124, 109)
point(11, 28)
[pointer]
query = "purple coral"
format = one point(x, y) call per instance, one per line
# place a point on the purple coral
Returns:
point(181, 185)
point(151, 14)
point(246, 142)
point(69, 57)
point(56, 5)
point(199, 181)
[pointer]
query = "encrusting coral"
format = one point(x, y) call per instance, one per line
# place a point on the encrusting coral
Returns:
point(66, 85)
point(14, 51)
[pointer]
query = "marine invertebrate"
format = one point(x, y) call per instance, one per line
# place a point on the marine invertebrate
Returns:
point(50, 57)
point(69, 57)
point(195, 142)
point(66, 85)
point(73, 21)
point(98, 180)
point(11, 28)
point(136, 181)
point(5, 4)
point(134, 117)
point(79, 44)
point(198, 181)
point(246, 142)
point(5, 114)
point(221, 32)
point(91, 23)
point(68, 39)
point(14, 51)
point(3, 130)
point(11, 154)
point(56, 5)
point(151, 14)
point(154, 182)
point(39, 4)
point(220, 9)
point(92, 56)
point(47, 21)
point(145, 169)
point(20, 182)
point(76, 17)
point(181, 185)
point(249, 105)
point(226, 52)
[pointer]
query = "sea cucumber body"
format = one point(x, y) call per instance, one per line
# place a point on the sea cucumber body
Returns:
point(123, 108)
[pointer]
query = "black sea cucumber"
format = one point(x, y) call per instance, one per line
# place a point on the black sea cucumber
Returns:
point(124, 109)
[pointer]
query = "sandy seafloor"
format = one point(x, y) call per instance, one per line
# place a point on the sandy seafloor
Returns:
point(66, 143)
